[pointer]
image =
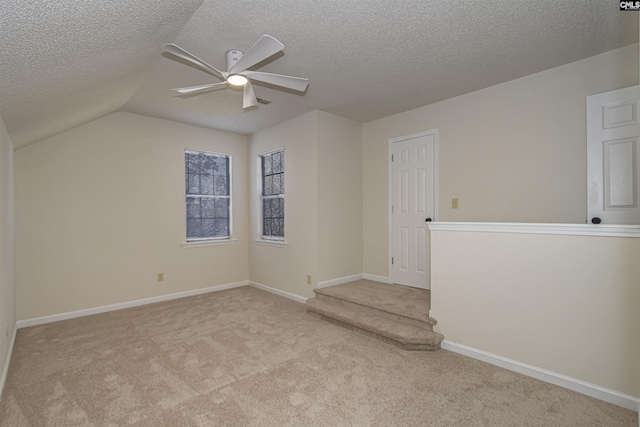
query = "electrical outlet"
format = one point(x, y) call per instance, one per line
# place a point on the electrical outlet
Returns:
point(454, 203)
point(160, 277)
point(308, 280)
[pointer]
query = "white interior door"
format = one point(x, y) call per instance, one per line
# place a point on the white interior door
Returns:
point(413, 204)
point(613, 181)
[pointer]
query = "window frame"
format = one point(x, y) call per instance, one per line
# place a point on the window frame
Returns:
point(204, 241)
point(266, 238)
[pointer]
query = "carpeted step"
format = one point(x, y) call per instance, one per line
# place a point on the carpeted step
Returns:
point(410, 304)
point(380, 312)
point(388, 330)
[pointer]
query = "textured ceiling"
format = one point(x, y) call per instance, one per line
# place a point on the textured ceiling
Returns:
point(66, 62)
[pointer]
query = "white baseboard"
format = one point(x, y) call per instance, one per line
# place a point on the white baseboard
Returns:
point(5, 370)
point(113, 307)
point(375, 278)
point(583, 387)
point(285, 294)
point(340, 280)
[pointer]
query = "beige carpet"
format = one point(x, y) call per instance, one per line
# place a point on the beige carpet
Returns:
point(244, 357)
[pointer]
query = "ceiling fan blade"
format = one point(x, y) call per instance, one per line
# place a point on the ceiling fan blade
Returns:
point(248, 97)
point(181, 53)
point(192, 89)
point(265, 47)
point(296, 83)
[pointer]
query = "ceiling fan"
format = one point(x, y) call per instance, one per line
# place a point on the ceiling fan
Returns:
point(238, 73)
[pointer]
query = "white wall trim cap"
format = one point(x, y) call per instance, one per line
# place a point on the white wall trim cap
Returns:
point(5, 370)
point(340, 280)
point(272, 243)
point(204, 243)
point(604, 230)
point(278, 292)
point(120, 306)
point(620, 399)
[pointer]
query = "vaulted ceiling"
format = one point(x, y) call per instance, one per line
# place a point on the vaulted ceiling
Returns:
point(66, 62)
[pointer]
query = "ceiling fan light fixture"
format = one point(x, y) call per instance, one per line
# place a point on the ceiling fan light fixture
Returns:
point(239, 74)
point(237, 80)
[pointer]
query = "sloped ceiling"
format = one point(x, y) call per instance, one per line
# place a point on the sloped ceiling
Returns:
point(65, 62)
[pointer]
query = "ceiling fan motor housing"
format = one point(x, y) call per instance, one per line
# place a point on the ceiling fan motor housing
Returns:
point(233, 56)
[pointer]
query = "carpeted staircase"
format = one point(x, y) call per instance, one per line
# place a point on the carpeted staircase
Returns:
point(395, 314)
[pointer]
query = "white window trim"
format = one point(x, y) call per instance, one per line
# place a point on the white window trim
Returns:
point(271, 242)
point(208, 242)
point(263, 240)
point(212, 241)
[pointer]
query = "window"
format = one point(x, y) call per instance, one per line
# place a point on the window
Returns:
point(272, 166)
point(208, 194)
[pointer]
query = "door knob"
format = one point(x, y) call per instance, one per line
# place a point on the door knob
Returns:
point(596, 220)
point(427, 220)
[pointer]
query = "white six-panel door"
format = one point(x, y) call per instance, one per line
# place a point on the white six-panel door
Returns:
point(413, 195)
point(613, 181)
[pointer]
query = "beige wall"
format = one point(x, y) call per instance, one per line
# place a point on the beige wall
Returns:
point(339, 197)
point(286, 269)
point(568, 304)
point(323, 203)
point(515, 152)
point(7, 283)
point(100, 210)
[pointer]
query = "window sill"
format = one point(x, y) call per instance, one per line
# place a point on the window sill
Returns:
point(204, 243)
point(272, 243)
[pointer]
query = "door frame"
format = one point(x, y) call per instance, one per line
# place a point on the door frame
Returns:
point(436, 161)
